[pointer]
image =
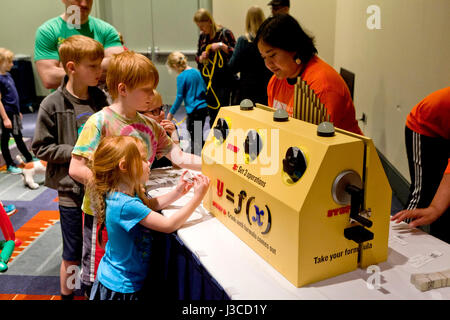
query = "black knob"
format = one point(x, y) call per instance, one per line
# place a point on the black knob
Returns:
point(253, 144)
point(359, 234)
point(294, 164)
point(221, 130)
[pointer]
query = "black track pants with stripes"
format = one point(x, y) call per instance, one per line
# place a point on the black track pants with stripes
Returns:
point(427, 160)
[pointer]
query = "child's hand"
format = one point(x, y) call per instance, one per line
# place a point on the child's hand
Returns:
point(168, 125)
point(183, 185)
point(7, 123)
point(201, 184)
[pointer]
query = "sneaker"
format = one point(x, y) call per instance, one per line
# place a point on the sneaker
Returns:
point(14, 170)
point(10, 209)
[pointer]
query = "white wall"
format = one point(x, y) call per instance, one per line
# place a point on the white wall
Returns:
point(316, 17)
point(395, 66)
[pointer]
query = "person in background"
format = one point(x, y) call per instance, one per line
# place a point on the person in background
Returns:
point(50, 35)
point(439, 208)
point(158, 114)
point(290, 53)
point(61, 117)
point(120, 167)
point(427, 138)
point(254, 76)
point(279, 6)
point(215, 38)
point(10, 114)
point(190, 89)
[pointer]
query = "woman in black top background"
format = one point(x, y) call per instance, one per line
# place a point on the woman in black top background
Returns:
point(246, 59)
point(221, 39)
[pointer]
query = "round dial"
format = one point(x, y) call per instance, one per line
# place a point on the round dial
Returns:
point(253, 144)
point(294, 163)
point(221, 130)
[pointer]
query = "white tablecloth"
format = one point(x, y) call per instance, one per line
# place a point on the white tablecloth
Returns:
point(244, 275)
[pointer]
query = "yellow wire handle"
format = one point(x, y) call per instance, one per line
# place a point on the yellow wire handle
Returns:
point(209, 74)
point(179, 123)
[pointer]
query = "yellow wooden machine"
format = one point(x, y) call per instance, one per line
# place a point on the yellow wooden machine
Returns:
point(312, 200)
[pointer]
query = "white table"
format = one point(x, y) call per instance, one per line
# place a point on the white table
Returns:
point(244, 275)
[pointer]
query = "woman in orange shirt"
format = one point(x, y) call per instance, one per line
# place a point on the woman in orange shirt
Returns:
point(290, 53)
point(427, 138)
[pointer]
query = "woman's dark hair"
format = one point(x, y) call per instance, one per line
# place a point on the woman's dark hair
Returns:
point(284, 32)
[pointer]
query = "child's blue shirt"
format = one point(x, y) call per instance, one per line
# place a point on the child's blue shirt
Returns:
point(191, 88)
point(125, 264)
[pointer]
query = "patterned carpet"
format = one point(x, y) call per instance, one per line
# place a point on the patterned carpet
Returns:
point(33, 270)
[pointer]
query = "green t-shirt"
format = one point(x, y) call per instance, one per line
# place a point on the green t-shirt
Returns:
point(52, 33)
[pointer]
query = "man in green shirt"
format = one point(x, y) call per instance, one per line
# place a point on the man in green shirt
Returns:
point(72, 22)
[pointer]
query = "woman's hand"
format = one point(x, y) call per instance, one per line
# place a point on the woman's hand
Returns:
point(216, 46)
point(183, 186)
point(420, 217)
point(201, 184)
point(203, 57)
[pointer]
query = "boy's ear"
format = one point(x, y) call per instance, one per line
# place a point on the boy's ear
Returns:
point(70, 66)
point(122, 89)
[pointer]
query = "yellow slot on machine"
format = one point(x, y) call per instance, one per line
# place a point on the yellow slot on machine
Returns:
point(310, 199)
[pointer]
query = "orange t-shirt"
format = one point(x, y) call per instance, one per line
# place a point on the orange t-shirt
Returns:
point(447, 171)
point(328, 86)
point(431, 116)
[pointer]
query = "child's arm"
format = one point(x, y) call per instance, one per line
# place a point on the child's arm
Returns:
point(183, 159)
point(174, 222)
point(161, 202)
point(171, 129)
point(87, 142)
point(6, 121)
point(79, 170)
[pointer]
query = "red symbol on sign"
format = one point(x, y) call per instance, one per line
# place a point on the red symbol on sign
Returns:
point(219, 188)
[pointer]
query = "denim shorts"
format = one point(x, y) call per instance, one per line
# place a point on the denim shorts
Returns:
point(72, 232)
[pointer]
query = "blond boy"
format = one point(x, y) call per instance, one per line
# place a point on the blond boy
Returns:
point(61, 117)
point(131, 79)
